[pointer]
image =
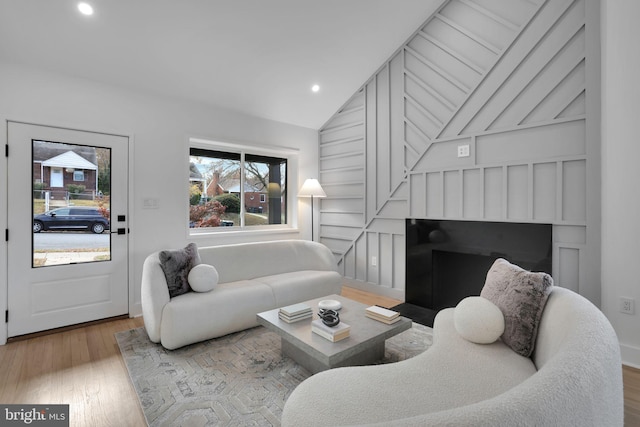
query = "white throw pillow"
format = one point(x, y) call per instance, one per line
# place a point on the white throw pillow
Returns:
point(203, 278)
point(478, 320)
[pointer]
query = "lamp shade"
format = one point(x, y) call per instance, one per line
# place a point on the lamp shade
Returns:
point(311, 188)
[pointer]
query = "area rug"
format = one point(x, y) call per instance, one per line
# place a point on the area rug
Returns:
point(237, 380)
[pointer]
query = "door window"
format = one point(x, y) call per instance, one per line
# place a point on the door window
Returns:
point(71, 216)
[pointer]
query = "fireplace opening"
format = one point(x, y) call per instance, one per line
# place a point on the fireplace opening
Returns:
point(448, 260)
point(452, 282)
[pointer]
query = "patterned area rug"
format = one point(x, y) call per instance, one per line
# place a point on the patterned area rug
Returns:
point(237, 380)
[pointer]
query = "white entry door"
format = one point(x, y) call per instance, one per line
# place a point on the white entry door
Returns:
point(57, 178)
point(68, 239)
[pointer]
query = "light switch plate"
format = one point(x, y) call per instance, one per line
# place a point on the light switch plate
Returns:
point(150, 203)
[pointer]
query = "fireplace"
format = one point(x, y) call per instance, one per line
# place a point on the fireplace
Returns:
point(448, 260)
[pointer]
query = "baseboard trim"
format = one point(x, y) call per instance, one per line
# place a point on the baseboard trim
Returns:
point(630, 356)
point(135, 310)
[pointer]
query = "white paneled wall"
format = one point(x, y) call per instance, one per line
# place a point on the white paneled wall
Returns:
point(512, 80)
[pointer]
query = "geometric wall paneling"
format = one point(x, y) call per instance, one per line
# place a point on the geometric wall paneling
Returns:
point(566, 99)
point(342, 174)
point(385, 162)
point(570, 234)
point(569, 257)
point(452, 194)
point(495, 206)
point(393, 209)
point(569, 261)
point(545, 195)
point(472, 191)
point(576, 108)
point(545, 191)
point(373, 250)
point(388, 226)
point(443, 154)
point(361, 257)
point(508, 78)
point(539, 74)
point(517, 193)
point(435, 194)
point(380, 257)
point(559, 139)
point(417, 194)
point(533, 44)
point(555, 86)
point(574, 191)
point(396, 123)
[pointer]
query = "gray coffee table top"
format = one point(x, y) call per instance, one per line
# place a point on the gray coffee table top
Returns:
point(365, 333)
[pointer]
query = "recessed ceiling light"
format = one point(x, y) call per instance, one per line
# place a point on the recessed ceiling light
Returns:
point(315, 88)
point(85, 8)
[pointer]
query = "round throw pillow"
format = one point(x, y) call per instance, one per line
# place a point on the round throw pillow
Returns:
point(203, 278)
point(478, 320)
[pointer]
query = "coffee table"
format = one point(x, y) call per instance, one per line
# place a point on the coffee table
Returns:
point(364, 346)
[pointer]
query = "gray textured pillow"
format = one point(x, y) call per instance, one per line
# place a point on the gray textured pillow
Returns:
point(176, 266)
point(521, 295)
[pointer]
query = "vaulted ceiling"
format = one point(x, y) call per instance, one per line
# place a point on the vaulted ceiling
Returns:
point(259, 57)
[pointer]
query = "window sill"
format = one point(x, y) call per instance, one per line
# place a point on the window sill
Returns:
point(230, 231)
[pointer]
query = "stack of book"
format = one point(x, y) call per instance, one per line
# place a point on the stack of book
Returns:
point(383, 315)
point(295, 312)
point(332, 333)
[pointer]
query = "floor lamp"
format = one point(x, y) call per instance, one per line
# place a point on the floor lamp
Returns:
point(311, 188)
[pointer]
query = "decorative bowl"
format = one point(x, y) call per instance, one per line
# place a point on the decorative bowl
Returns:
point(329, 304)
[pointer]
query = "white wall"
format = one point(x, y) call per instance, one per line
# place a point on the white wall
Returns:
point(620, 171)
point(160, 128)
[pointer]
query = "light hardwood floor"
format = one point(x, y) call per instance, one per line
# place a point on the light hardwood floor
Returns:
point(82, 367)
point(631, 378)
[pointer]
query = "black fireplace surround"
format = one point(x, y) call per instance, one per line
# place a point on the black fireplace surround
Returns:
point(448, 260)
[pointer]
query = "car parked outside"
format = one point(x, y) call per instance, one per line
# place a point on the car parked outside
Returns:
point(71, 218)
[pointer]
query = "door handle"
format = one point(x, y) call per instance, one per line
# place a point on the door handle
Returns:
point(120, 231)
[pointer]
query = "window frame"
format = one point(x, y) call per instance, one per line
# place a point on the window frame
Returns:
point(291, 156)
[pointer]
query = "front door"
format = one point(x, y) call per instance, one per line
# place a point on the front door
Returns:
point(57, 177)
point(68, 234)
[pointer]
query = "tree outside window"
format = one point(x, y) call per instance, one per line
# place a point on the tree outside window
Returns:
point(236, 189)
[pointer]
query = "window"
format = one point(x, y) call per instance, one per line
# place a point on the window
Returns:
point(236, 189)
point(78, 175)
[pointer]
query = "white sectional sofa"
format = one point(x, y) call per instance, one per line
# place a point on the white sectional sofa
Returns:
point(253, 277)
point(573, 378)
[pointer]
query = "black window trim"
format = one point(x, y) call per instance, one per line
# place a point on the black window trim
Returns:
point(237, 151)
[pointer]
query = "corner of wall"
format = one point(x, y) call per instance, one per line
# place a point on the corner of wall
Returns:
point(630, 355)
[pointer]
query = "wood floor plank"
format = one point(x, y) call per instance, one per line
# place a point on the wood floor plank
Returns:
point(83, 367)
point(631, 378)
point(368, 298)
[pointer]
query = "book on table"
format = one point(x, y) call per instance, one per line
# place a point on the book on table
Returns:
point(292, 310)
point(331, 333)
point(297, 317)
point(295, 312)
point(381, 314)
